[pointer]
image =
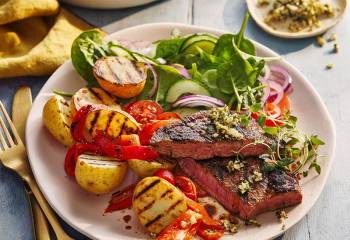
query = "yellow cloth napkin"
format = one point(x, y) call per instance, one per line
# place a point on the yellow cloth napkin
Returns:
point(37, 46)
point(14, 10)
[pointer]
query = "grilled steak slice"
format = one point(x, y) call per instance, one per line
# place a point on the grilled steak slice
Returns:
point(276, 190)
point(194, 137)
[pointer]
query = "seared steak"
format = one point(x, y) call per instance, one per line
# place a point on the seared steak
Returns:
point(274, 190)
point(194, 137)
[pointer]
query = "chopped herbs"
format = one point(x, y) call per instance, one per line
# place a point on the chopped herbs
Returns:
point(335, 48)
point(299, 14)
point(329, 66)
point(225, 122)
point(262, 3)
point(244, 187)
point(282, 216)
point(234, 165)
point(253, 222)
point(256, 177)
point(229, 226)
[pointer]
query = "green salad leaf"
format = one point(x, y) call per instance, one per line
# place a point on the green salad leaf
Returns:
point(168, 49)
point(86, 49)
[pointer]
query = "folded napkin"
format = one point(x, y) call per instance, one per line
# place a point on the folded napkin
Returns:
point(37, 46)
point(14, 10)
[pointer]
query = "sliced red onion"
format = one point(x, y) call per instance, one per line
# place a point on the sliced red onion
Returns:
point(277, 94)
point(280, 76)
point(154, 88)
point(198, 100)
point(198, 104)
point(182, 70)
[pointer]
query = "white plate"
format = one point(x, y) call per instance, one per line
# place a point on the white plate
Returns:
point(108, 4)
point(281, 30)
point(83, 211)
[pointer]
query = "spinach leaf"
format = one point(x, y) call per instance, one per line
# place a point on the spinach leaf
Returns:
point(224, 48)
point(86, 49)
point(168, 49)
point(235, 73)
point(242, 43)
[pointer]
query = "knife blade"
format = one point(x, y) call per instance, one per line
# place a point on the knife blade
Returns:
point(22, 103)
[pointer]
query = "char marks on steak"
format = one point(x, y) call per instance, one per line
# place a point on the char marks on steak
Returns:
point(277, 189)
point(193, 137)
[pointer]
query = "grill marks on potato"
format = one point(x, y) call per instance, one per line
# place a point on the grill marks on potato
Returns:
point(110, 122)
point(147, 188)
point(157, 203)
point(94, 96)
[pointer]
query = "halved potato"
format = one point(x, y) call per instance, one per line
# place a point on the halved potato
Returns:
point(157, 203)
point(112, 123)
point(99, 174)
point(146, 168)
point(120, 76)
point(93, 96)
point(57, 119)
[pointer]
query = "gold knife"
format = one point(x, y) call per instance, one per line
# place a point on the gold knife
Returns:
point(22, 102)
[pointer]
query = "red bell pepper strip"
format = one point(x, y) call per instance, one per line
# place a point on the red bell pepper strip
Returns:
point(210, 232)
point(197, 207)
point(78, 122)
point(187, 187)
point(110, 149)
point(182, 223)
point(121, 199)
point(165, 174)
point(73, 153)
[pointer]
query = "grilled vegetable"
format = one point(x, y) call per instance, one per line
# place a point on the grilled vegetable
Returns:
point(98, 174)
point(57, 119)
point(120, 76)
point(157, 203)
point(146, 168)
point(112, 123)
point(93, 96)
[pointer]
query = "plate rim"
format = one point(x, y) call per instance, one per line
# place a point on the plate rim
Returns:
point(195, 28)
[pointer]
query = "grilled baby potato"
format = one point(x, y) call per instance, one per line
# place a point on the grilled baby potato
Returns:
point(157, 203)
point(93, 96)
point(146, 168)
point(57, 119)
point(99, 174)
point(113, 123)
point(120, 76)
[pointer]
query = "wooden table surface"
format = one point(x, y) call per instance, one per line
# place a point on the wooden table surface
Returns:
point(329, 218)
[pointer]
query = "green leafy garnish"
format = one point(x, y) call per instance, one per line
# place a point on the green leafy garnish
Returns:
point(86, 49)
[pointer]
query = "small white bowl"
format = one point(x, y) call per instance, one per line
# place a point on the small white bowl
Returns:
point(107, 4)
point(259, 13)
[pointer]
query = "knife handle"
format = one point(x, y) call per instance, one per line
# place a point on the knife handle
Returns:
point(40, 222)
point(50, 215)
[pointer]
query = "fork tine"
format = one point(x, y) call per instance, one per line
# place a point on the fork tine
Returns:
point(3, 142)
point(13, 129)
point(7, 133)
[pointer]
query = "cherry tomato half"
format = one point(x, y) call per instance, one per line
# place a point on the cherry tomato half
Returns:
point(144, 111)
point(165, 174)
point(168, 116)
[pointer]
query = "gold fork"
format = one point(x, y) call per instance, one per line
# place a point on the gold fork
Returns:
point(14, 156)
